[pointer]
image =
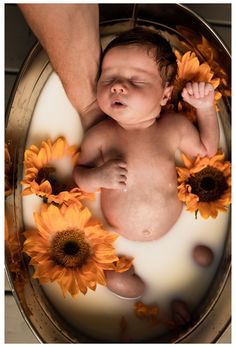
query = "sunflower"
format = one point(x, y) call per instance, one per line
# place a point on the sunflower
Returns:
point(8, 172)
point(190, 69)
point(143, 311)
point(208, 52)
point(205, 184)
point(41, 172)
point(71, 249)
point(211, 55)
point(14, 249)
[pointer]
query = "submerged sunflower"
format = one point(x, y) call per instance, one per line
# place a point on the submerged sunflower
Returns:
point(211, 56)
point(41, 172)
point(143, 311)
point(208, 52)
point(8, 172)
point(205, 184)
point(69, 248)
point(190, 69)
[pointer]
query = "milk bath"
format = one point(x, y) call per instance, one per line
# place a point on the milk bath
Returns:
point(166, 265)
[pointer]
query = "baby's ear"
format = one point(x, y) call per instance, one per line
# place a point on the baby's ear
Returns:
point(166, 95)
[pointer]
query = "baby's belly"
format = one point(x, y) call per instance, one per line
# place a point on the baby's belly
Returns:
point(139, 216)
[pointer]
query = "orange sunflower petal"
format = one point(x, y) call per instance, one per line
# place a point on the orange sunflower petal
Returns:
point(123, 264)
point(187, 161)
point(75, 216)
point(58, 148)
point(53, 219)
point(188, 66)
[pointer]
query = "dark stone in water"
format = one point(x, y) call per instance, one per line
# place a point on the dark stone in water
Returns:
point(180, 312)
point(203, 255)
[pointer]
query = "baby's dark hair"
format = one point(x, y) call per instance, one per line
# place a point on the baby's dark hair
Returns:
point(163, 54)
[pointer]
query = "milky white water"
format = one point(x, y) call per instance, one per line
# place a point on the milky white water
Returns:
point(165, 265)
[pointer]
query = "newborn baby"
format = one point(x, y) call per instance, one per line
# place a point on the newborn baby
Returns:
point(131, 154)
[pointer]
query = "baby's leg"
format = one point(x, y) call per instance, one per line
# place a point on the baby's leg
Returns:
point(125, 284)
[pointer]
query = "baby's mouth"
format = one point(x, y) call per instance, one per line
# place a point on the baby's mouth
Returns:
point(118, 104)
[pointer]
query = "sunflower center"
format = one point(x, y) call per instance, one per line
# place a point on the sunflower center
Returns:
point(44, 173)
point(49, 174)
point(208, 184)
point(69, 248)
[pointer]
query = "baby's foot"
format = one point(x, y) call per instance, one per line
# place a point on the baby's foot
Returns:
point(125, 284)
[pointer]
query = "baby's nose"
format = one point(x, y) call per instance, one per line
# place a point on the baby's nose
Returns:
point(118, 87)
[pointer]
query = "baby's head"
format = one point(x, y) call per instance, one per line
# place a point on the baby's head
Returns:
point(138, 68)
point(153, 43)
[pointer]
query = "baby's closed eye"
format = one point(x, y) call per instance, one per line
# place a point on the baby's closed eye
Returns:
point(107, 81)
point(137, 82)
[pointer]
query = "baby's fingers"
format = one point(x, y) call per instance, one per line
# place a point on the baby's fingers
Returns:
point(196, 89)
point(189, 88)
point(122, 185)
point(123, 182)
point(205, 88)
point(209, 88)
point(202, 89)
point(188, 92)
point(121, 163)
point(123, 178)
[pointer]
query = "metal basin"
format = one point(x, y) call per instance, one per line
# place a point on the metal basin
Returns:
point(212, 317)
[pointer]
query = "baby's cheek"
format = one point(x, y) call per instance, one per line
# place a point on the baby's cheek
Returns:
point(102, 102)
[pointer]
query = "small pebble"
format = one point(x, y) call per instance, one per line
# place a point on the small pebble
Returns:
point(203, 255)
point(180, 312)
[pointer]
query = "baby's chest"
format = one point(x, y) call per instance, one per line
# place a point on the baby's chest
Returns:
point(143, 158)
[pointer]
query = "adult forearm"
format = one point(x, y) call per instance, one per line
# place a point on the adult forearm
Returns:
point(70, 35)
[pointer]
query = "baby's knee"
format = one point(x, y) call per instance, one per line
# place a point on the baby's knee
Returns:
point(125, 284)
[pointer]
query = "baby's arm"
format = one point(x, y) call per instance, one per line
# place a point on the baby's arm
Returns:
point(92, 172)
point(201, 96)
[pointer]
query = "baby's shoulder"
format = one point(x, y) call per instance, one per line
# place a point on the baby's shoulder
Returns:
point(173, 121)
point(100, 130)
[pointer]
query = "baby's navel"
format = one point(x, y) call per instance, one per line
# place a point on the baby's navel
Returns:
point(146, 233)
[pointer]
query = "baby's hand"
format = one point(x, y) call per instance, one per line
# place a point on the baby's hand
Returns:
point(114, 174)
point(199, 94)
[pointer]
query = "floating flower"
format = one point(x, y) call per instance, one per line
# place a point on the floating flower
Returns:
point(69, 248)
point(208, 52)
point(211, 56)
point(143, 311)
point(123, 264)
point(190, 69)
point(8, 172)
point(15, 262)
point(14, 249)
point(205, 184)
point(41, 172)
